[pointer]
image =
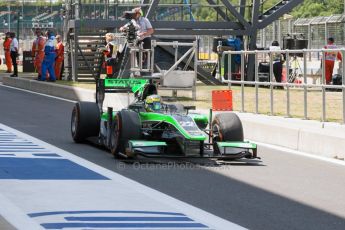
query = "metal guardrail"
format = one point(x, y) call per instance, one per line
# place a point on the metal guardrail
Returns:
point(287, 85)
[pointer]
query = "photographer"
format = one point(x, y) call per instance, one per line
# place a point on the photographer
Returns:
point(144, 27)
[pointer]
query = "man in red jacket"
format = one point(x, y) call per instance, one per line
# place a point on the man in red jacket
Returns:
point(330, 58)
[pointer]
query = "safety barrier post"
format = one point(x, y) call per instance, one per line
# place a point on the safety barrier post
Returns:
point(229, 73)
point(271, 85)
point(256, 81)
point(287, 85)
point(343, 82)
point(305, 90)
point(323, 118)
point(242, 81)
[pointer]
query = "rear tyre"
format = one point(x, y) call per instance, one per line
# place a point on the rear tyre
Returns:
point(85, 121)
point(127, 126)
point(226, 127)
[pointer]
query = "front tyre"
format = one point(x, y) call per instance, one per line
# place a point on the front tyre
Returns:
point(226, 127)
point(85, 121)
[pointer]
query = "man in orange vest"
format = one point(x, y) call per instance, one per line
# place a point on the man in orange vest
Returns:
point(8, 60)
point(37, 51)
point(59, 57)
point(330, 58)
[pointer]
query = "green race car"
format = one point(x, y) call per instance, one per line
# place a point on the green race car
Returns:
point(164, 130)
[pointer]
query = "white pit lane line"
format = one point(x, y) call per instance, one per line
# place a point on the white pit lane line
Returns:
point(299, 153)
point(76, 194)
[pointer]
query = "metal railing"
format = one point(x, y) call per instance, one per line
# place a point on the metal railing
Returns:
point(302, 83)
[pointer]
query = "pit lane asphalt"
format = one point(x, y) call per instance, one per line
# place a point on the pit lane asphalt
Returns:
point(285, 191)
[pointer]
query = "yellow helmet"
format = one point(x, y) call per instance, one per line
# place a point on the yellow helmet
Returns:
point(153, 103)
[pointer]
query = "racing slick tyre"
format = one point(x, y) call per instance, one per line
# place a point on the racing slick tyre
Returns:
point(226, 127)
point(127, 126)
point(85, 121)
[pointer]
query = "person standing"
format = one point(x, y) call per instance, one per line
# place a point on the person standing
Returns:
point(110, 53)
point(59, 57)
point(277, 61)
point(330, 58)
point(7, 46)
point(49, 57)
point(37, 51)
point(145, 29)
point(14, 48)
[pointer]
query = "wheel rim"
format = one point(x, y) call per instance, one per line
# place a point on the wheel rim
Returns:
point(75, 119)
point(100, 99)
point(115, 137)
point(216, 135)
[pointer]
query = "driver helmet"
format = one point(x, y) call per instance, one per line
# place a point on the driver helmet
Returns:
point(153, 103)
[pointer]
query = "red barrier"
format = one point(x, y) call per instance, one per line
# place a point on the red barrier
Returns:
point(222, 100)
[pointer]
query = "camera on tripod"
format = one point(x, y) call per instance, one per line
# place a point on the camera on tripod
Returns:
point(295, 41)
point(130, 29)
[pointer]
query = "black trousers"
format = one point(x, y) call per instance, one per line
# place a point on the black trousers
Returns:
point(146, 45)
point(14, 55)
point(277, 71)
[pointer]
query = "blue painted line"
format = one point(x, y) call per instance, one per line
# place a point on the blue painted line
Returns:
point(11, 141)
point(38, 214)
point(15, 147)
point(46, 155)
point(44, 169)
point(122, 225)
point(125, 218)
point(27, 150)
point(16, 144)
point(7, 154)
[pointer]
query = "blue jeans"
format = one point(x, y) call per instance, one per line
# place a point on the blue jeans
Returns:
point(48, 64)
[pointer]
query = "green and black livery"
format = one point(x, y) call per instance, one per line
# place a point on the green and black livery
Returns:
point(174, 131)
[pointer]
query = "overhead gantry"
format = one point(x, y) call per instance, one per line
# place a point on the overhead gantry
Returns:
point(90, 18)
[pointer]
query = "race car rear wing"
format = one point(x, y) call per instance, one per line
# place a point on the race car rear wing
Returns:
point(121, 85)
point(114, 85)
